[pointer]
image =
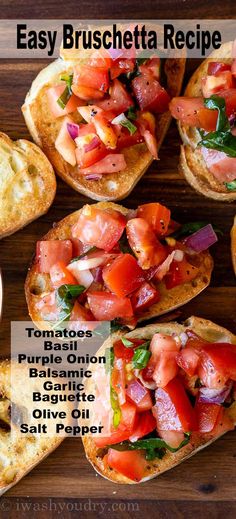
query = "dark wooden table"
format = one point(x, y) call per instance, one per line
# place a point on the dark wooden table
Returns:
point(204, 485)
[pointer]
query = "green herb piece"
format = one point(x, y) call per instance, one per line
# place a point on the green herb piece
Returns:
point(65, 298)
point(115, 407)
point(153, 446)
point(131, 113)
point(141, 356)
point(109, 355)
point(127, 343)
point(218, 103)
point(92, 249)
point(221, 139)
point(67, 93)
point(231, 186)
point(189, 228)
point(126, 123)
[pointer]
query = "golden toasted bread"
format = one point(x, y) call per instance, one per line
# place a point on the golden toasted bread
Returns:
point(20, 453)
point(37, 283)
point(44, 130)
point(208, 331)
point(192, 163)
point(27, 184)
point(233, 244)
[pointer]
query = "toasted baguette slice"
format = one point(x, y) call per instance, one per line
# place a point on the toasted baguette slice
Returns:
point(233, 244)
point(208, 331)
point(44, 130)
point(37, 283)
point(20, 453)
point(192, 163)
point(27, 184)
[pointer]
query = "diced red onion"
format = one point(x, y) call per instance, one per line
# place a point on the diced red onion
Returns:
point(73, 130)
point(93, 176)
point(92, 145)
point(97, 274)
point(202, 239)
point(135, 391)
point(214, 396)
point(115, 53)
point(162, 270)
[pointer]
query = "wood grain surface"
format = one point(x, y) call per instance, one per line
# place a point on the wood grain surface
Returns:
point(205, 484)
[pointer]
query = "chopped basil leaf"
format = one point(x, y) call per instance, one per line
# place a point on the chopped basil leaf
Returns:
point(154, 447)
point(131, 113)
point(141, 356)
point(127, 343)
point(67, 93)
point(126, 123)
point(92, 249)
point(189, 228)
point(65, 298)
point(109, 356)
point(115, 407)
point(221, 139)
point(231, 186)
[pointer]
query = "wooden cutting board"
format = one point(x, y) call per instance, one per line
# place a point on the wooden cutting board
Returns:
point(209, 476)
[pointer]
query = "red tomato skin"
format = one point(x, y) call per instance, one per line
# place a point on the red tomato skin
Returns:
point(157, 215)
point(217, 364)
point(214, 84)
point(100, 228)
point(149, 251)
point(48, 252)
point(150, 94)
point(85, 159)
point(192, 112)
point(215, 66)
point(173, 410)
point(188, 360)
point(207, 415)
point(53, 95)
point(121, 66)
point(144, 297)
point(180, 272)
point(131, 464)
point(125, 428)
point(122, 352)
point(80, 313)
point(106, 306)
point(123, 275)
point(125, 139)
point(223, 424)
point(166, 368)
point(119, 99)
point(146, 424)
point(60, 275)
point(92, 77)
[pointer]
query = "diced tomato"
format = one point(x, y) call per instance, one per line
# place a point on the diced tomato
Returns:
point(187, 359)
point(106, 306)
point(123, 275)
point(150, 94)
point(144, 297)
point(122, 352)
point(80, 313)
point(48, 252)
point(118, 379)
point(100, 228)
point(162, 343)
point(146, 425)
point(53, 95)
point(96, 78)
point(229, 96)
point(215, 66)
point(180, 272)
point(192, 112)
point(86, 159)
point(152, 66)
point(157, 215)
point(87, 93)
point(165, 369)
point(125, 428)
point(105, 131)
point(173, 438)
point(129, 463)
point(121, 66)
point(207, 415)
point(125, 139)
point(217, 364)
point(64, 144)
point(111, 163)
point(149, 251)
point(100, 58)
point(214, 84)
point(88, 112)
point(60, 275)
point(119, 101)
point(223, 423)
point(151, 143)
point(220, 165)
point(180, 415)
point(128, 416)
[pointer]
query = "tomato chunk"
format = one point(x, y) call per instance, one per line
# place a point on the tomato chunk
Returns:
point(144, 297)
point(96, 78)
point(165, 369)
point(60, 275)
point(150, 94)
point(214, 84)
point(188, 360)
point(180, 272)
point(129, 463)
point(100, 228)
point(173, 410)
point(48, 252)
point(53, 95)
point(112, 163)
point(122, 352)
point(119, 101)
point(217, 364)
point(157, 215)
point(123, 275)
point(146, 425)
point(215, 66)
point(192, 112)
point(149, 251)
point(106, 306)
point(207, 415)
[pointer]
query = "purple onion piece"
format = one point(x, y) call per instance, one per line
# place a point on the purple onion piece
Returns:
point(73, 130)
point(201, 239)
point(93, 176)
point(214, 396)
point(92, 145)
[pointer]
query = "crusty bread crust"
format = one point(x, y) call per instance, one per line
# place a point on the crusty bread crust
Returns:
point(44, 129)
point(27, 184)
point(20, 453)
point(192, 163)
point(208, 331)
point(233, 244)
point(37, 283)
